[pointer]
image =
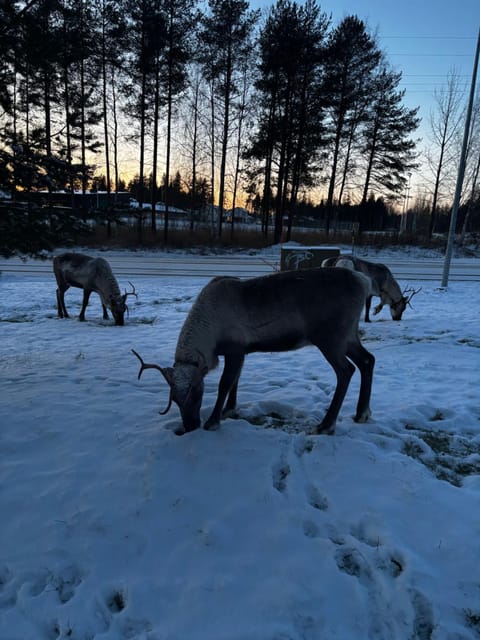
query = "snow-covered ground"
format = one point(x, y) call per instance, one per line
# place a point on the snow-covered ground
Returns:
point(112, 527)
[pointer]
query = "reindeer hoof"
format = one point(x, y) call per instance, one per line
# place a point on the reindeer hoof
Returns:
point(327, 430)
point(211, 425)
point(179, 431)
point(229, 413)
point(363, 417)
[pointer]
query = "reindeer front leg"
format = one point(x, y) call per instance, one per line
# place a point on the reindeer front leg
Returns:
point(86, 297)
point(368, 304)
point(383, 301)
point(227, 386)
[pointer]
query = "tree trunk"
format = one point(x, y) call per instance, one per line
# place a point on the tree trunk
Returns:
point(156, 115)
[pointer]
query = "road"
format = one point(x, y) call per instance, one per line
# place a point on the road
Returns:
point(129, 265)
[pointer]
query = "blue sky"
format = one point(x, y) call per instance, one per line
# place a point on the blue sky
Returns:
point(425, 40)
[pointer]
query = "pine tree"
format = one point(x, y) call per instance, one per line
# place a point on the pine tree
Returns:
point(388, 149)
point(179, 23)
point(351, 58)
point(290, 121)
point(112, 43)
point(226, 36)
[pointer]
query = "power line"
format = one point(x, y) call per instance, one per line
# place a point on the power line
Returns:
point(433, 84)
point(429, 75)
point(429, 37)
point(436, 55)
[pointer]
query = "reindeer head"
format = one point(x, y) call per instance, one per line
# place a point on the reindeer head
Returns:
point(397, 308)
point(186, 390)
point(118, 306)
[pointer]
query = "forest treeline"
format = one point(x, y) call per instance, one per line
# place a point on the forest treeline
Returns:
point(270, 107)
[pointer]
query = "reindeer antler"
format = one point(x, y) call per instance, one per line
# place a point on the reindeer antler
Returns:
point(130, 293)
point(125, 296)
point(145, 365)
point(412, 292)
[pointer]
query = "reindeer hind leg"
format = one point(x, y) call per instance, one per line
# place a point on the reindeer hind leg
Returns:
point(344, 370)
point(231, 403)
point(365, 362)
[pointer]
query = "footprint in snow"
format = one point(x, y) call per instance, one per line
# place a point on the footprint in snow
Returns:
point(316, 498)
point(280, 473)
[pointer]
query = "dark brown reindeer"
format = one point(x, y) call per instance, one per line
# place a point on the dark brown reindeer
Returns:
point(89, 274)
point(384, 285)
point(278, 312)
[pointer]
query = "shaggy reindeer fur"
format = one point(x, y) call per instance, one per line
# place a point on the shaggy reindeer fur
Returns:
point(89, 274)
point(384, 284)
point(279, 312)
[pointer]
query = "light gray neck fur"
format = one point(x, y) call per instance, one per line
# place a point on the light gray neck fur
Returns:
point(197, 340)
point(107, 285)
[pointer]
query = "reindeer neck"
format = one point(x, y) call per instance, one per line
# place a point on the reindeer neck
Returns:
point(109, 288)
point(393, 291)
point(196, 343)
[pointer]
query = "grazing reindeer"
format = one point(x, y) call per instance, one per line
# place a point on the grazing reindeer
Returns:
point(89, 274)
point(384, 285)
point(279, 312)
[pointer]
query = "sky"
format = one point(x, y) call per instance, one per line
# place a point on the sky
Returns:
point(114, 528)
point(423, 40)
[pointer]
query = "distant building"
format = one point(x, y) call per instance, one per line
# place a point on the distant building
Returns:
point(239, 215)
point(79, 200)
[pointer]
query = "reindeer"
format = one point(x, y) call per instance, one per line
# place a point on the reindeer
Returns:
point(89, 274)
point(278, 312)
point(384, 285)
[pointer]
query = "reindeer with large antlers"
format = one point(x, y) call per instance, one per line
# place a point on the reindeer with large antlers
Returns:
point(90, 274)
point(384, 285)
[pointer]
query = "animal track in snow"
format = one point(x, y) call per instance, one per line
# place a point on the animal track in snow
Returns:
point(375, 568)
point(280, 473)
point(66, 583)
point(8, 597)
point(108, 612)
point(302, 445)
point(116, 602)
point(424, 621)
point(316, 499)
point(352, 561)
point(310, 529)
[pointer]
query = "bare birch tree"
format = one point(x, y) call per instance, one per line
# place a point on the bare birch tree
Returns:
point(445, 122)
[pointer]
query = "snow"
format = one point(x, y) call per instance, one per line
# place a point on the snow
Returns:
point(113, 527)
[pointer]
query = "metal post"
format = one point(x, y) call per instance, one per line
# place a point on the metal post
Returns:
point(403, 220)
point(461, 172)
